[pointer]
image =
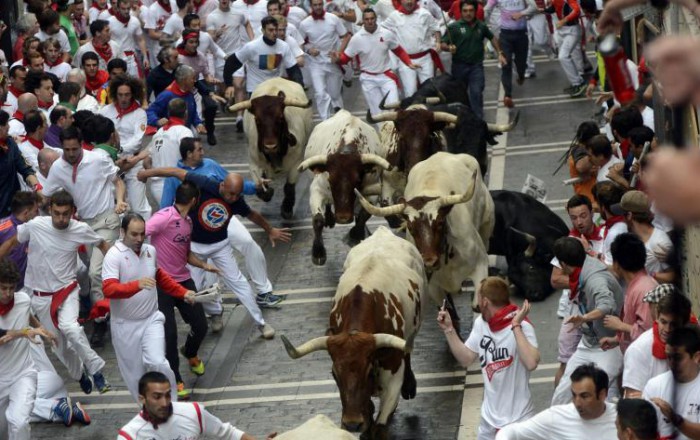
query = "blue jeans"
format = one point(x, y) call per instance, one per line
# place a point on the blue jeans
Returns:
point(472, 75)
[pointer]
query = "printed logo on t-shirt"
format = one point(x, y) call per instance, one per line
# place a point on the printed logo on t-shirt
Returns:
point(270, 61)
point(213, 214)
point(493, 358)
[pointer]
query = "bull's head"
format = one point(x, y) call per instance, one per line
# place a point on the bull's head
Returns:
point(426, 220)
point(274, 137)
point(528, 269)
point(416, 129)
point(346, 171)
point(354, 370)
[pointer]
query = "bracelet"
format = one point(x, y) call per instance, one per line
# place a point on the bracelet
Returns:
point(25, 331)
point(513, 327)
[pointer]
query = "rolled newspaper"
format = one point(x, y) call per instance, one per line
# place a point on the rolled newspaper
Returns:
point(210, 294)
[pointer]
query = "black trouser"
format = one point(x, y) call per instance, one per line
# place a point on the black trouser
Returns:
point(209, 106)
point(192, 315)
point(514, 46)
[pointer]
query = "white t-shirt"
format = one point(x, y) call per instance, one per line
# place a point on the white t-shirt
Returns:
point(373, 49)
point(125, 36)
point(52, 257)
point(684, 398)
point(295, 15)
point(562, 422)
point(60, 36)
point(233, 22)
point(130, 127)
point(659, 247)
point(165, 149)
point(60, 70)
point(122, 264)
point(31, 153)
point(88, 47)
point(174, 26)
point(16, 355)
point(323, 35)
point(415, 32)
point(254, 13)
point(602, 175)
point(615, 230)
point(295, 48)
point(660, 221)
point(263, 62)
point(640, 364)
point(506, 380)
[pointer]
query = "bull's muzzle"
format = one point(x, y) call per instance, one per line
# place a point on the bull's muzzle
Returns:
point(270, 147)
point(352, 424)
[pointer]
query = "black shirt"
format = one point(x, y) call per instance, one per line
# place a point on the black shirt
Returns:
point(158, 80)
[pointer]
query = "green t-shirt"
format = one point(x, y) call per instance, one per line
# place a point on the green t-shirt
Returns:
point(468, 39)
point(68, 28)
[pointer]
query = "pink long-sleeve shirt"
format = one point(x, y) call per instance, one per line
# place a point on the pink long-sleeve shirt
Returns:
point(170, 234)
point(635, 312)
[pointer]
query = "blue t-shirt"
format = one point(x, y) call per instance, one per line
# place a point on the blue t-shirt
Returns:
point(211, 216)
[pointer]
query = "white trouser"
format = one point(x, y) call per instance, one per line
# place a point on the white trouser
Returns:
point(374, 87)
point(410, 79)
point(136, 192)
point(16, 403)
point(327, 80)
point(155, 186)
point(106, 225)
point(72, 347)
point(568, 40)
point(140, 347)
point(538, 34)
point(132, 67)
point(198, 102)
point(222, 257)
point(255, 262)
point(49, 387)
point(609, 361)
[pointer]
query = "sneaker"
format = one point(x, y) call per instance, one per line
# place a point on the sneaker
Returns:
point(80, 414)
point(211, 138)
point(520, 80)
point(217, 323)
point(267, 331)
point(347, 82)
point(268, 299)
point(239, 125)
point(85, 383)
point(101, 383)
point(530, 75)
point(64, 410)
point(182, 393)
point(508, 102)
point(578, 90)
point(196, 365)
point(568, 89)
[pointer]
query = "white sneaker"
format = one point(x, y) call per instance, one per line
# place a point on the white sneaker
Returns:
point(267, 331)
point(563, 308)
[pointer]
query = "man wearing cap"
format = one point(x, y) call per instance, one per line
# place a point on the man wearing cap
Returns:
point(645, 358)
point(635, 208)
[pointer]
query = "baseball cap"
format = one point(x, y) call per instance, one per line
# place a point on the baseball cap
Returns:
point(632, 201)
point(654, 295)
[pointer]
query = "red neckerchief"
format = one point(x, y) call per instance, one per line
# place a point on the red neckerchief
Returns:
point(14, 90)
point(286, 10)
point(18, 115)
point(593, 236)
point(35, 142)
point(45, 105)
point(173, 122)
point(184, 53)
point(133, 106)
point(197, 5)
point(75, 167)
point(95, 83)
point(574, 282)
point(5, 308)
point(58, 61)
point(96, 6)
point(612, 221)
point(624, 148)
point(87, 146)
point(252, 2)
point(165, 4)
point(502, 318)
point(319, 16)
point(399, 7)
point(105, 51)
point(118, 15)
point(658, 347)
point(144, 415)
point(177, 91)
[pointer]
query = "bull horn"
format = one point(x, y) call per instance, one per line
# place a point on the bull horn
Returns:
point(320, 343)
point(385, 340)
point(319, 159)
point(383, 105)
point(454, 199)
point(368, 158)
point(294, 102)
point(379, 211)
point(444, 117)
point(433, 100)
point(381, 117)
point(502, 128)
point(531, 242)
point(243, 105)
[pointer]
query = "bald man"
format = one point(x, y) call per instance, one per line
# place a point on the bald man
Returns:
point(219, 200)
point(46, 158)
point(25, 103)
point(85, 101)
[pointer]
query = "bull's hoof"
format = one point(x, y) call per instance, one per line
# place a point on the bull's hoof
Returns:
point(287, 212)
point(379, 432)
point(329, 217)
point(408, 388)
point(265, 196)
point(318, 255)
point(394, 221)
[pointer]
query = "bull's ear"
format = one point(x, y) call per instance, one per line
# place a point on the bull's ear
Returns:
point(291, 139)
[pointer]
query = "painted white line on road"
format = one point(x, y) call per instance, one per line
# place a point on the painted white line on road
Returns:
point(533, 146)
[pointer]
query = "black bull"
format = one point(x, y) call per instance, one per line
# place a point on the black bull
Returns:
point(525, 232)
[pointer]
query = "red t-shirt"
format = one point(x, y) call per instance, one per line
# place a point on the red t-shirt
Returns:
point(456, 12)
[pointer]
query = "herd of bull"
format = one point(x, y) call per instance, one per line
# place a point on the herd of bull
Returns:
point(422, 169)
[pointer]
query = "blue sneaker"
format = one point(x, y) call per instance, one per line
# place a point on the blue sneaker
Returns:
point(268, 299)
point(64, 410)
point(101, 383)
point(80, 414)
point(85, 383)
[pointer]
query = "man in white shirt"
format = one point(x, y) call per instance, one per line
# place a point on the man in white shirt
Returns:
point(323, 35)
point(174, 25)
point(101, 43)
point(53, 59)
point(676, 393)
point(86, 101)
point(589, 416)
point(129, 280)
point(49, 27)
point(130, 122)
point(26, 103)
point(294, 14)
point(156, 16)
point(606, 195)
point(15, 88)
point(645, 358)
point(254, 11)
point(506, 345)
point(126, 32)
point(417, 32)
point(36, 126)
point(636, 420)
point(41, 85)
point(601, 152)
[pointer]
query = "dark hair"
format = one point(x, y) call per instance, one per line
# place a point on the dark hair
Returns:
point(116, 63)
point(599, 145)
point(33, 121)
point(187, 146)
point(469, 2)
point(15, 69)
point(186, 192)
point(67, 90)
point(28, 44)
point(80, 120)
point(98, 26)
point(47, 18)
point(149, 378)
point(267, 20)
point(675, 304)
point(163, 53)
point(71, 132)
point(62, 198)
point(277, 2)
point(181, 3)
point(607, 193)
point(569, 251)
point(35, 6)
point(640, 135)
point(101, 129)
point(638, 415)
point(625, 120)
point(57, 113)
point(589, 6)
point(187, 20)
point(586, 130)
point(23, 200)
point(687, 337)
point(4, 118)
point(598, 376)
point(629, 252)
point(177, 108)
point(366, 11)
point(130, 217)
point(34, 80)
point(124, 80)
point(579, 200)
point(89, 56)
point(8, 272)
